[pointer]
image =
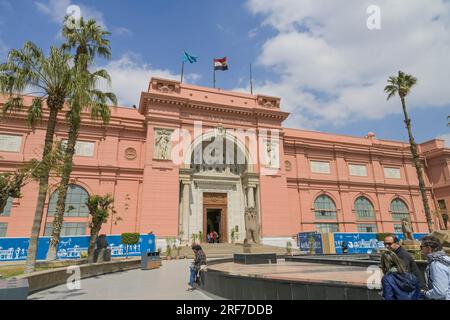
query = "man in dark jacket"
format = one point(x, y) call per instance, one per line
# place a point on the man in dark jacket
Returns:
point(392, 243)
point(199, 261)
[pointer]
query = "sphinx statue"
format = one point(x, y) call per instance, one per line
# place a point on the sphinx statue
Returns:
point(407, 229)
point(251, 225)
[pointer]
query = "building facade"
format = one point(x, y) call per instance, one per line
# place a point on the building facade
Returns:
point(191, 159)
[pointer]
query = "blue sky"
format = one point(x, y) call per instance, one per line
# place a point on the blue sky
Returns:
point(319, 56)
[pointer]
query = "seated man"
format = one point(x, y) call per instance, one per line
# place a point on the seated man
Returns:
point(199, 261)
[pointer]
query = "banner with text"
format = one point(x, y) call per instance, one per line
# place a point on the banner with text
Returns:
point(15, 249)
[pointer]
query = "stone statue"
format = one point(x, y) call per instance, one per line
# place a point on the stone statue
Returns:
point(407, 229)
point(162, 144)
point(251, 225)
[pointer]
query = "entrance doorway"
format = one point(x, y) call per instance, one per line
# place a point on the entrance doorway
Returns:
point(215, 215)
point(213, 220)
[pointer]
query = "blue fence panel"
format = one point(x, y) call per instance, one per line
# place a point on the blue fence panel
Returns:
point(15, 249)
point(303, 241)
point(363, 242)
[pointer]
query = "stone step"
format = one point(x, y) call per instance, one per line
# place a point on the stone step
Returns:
point(230, 249)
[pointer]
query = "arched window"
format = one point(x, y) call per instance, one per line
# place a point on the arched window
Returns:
point(75, 202)
point(399, 209)
point(7, 209)
point(324, 207)
point(364, 208)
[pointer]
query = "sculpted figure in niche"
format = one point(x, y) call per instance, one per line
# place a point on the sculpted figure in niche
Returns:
point(251, 225)
point(407, 229)
point(162, 144)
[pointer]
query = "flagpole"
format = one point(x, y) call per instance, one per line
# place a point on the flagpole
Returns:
point(182, 71)
point(251, 80)
point(214, 75)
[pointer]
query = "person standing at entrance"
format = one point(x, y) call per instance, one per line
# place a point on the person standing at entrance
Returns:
point(199, 261)
point(215, 237)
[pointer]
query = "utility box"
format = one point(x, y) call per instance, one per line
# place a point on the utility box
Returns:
point(13, 289)
point(150, 260)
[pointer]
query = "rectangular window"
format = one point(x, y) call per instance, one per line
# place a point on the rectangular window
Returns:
point(398, 228)
point(3, 228)
point(392, 173)
point(320, 167)
point(366, 227)
point(357, 170)
point(10, 143)
point(68, 229)
point(82, 148)
point(327, 227)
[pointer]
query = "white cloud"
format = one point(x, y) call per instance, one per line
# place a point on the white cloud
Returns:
point(57, 10)
point(122, 31)
point(130, 77)
point(332, 69)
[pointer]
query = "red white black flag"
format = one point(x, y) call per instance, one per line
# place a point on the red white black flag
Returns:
point(221, 64)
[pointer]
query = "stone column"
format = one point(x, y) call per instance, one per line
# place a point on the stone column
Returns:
point(185, 210)
point(250, 197)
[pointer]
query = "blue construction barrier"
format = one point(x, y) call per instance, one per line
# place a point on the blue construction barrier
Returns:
point(15, 249)
point(303, 241)
point(363, 243)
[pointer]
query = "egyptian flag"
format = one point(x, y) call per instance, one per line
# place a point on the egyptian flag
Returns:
point(221, 64)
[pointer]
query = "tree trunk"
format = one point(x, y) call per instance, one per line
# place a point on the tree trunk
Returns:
point(92, 240)
point(62, 190)
point(43, 186)
point(418, 166)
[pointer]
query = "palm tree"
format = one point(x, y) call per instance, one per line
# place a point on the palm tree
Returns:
point(51, 77)
point(89, 40)
point(402, 85)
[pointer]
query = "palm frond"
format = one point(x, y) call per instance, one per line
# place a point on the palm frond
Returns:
point(34, 112)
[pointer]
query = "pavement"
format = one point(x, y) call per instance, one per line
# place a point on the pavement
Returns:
point(169, 282)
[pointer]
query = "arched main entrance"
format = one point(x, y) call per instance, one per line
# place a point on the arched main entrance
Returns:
point(217, 183)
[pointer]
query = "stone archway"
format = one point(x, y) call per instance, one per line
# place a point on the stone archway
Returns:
point(223, 173)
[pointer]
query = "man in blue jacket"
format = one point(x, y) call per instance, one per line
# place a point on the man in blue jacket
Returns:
point(438, 269)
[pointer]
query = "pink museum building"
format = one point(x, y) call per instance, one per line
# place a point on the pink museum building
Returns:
point(297, 180)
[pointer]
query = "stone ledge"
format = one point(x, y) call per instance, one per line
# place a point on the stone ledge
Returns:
point(50, 278)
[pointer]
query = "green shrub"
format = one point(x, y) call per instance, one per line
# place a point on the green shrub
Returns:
point(129, 238)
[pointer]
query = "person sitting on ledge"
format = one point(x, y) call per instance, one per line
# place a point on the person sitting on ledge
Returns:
point(392, 243)
point(199, 261)
point(438, 269)
point(397, 283)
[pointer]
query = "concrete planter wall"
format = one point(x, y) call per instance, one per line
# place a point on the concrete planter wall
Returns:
point(50, 278)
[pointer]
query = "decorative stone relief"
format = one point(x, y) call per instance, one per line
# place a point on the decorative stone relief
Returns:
point(272, 154)
point(130, 153)
point(288, 166)
point(268, 102)
point(162, 144)
point(165, 86)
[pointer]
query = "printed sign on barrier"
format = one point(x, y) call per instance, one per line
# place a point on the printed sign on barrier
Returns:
point(15, 249)
point(304, 241)
point(363, 242)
